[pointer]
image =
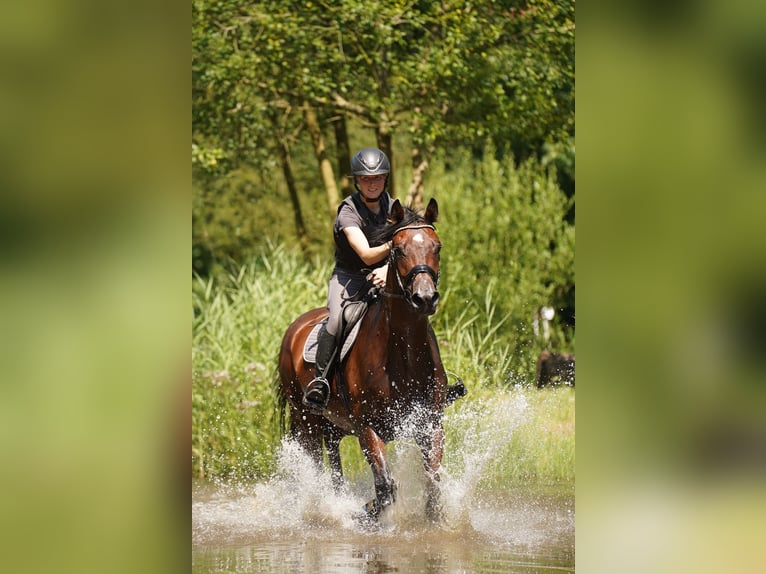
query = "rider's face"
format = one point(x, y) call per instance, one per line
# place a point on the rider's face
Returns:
point(371, 185)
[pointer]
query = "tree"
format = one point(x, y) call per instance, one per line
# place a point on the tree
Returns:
point(451, 74)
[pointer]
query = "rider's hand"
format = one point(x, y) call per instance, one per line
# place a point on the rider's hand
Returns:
point(378, 276)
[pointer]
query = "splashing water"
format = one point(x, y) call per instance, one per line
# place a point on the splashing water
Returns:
point(481, 441)
point(299, 503)
point(299, 498)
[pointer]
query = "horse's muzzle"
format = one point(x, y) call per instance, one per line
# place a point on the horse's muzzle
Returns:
point(423, 299)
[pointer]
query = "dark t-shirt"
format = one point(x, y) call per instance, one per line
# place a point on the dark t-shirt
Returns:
point(353, 213)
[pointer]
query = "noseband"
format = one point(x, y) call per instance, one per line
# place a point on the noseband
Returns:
point(404, 283)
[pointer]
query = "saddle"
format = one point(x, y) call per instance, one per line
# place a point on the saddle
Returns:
point(353, 313)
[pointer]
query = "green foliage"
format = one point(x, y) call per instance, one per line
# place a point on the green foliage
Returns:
point(236, 214)
point(459, 71)
point(507, 252)
point(441, 76)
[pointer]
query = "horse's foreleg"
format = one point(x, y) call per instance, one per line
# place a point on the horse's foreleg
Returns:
point(332, 438)
point(431, 442)
point(385, 489)
point(432, 447)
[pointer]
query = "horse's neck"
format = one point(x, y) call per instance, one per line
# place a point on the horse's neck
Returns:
point(393, 290)
point(401, 322)
point(396, 339)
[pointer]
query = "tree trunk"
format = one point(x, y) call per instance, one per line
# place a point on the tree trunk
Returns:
point(384, 143)
point(415, 192)
point(343, 156)
point(325, 167)
point(287, 170)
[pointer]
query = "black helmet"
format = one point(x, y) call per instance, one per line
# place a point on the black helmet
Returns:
point(370, 161)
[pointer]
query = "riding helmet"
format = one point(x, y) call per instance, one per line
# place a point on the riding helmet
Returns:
point(370, 161)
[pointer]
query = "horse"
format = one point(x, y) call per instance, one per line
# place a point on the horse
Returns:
point(392, 383)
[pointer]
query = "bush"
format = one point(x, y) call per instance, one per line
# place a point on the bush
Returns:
point(507, 252)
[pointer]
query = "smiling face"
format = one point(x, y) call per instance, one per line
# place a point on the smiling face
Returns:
point(371, 186)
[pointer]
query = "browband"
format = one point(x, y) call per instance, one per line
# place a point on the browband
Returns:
point(422, 226)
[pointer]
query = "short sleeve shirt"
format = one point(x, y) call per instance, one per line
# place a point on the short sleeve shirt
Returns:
point(353, 213)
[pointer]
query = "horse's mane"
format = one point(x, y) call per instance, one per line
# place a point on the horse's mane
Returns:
point(380, 234)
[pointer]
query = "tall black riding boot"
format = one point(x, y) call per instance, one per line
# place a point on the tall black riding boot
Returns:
point(317, 392)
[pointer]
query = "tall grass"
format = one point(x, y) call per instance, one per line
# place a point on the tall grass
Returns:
point(238, 323)
point(506, 252)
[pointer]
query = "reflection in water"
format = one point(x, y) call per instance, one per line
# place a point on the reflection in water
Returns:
point(316, 556)
point(295, 522)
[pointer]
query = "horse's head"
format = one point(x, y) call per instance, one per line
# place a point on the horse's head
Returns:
point(414, 259)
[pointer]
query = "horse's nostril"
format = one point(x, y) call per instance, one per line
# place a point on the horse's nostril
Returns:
point(426, 303)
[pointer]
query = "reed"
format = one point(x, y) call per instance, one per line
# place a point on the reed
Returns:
point(238, 323)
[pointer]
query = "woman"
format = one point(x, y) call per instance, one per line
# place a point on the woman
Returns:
point(356, 262)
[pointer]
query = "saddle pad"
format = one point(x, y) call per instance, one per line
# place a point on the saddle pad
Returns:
point(310, 348)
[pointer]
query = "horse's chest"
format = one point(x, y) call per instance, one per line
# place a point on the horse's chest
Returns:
point(409, 360)
point(393, 382)
point(400, 380)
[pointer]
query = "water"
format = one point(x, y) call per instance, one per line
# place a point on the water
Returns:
point(296, 523)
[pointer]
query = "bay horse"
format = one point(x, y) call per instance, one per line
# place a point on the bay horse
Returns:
point(392, 375)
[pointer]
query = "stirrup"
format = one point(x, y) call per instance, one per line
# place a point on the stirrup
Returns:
point(317, 394)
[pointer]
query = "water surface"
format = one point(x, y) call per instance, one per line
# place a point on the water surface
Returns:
point(295, 522)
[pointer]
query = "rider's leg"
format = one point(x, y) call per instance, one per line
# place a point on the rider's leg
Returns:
point(317, 392)
point(342, 287)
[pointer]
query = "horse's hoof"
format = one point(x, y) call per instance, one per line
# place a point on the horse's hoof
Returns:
point(368, 518)
point(455, 392)
point(373, 508)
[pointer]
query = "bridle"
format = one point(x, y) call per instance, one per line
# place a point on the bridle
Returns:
point(406, 281)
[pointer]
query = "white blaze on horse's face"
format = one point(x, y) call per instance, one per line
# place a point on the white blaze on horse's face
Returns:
point(418, 238)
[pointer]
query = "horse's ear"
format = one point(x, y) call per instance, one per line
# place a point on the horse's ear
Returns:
point(397, 212)
point(432, 211)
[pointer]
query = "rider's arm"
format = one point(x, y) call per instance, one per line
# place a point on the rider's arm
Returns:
point(359, 243)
